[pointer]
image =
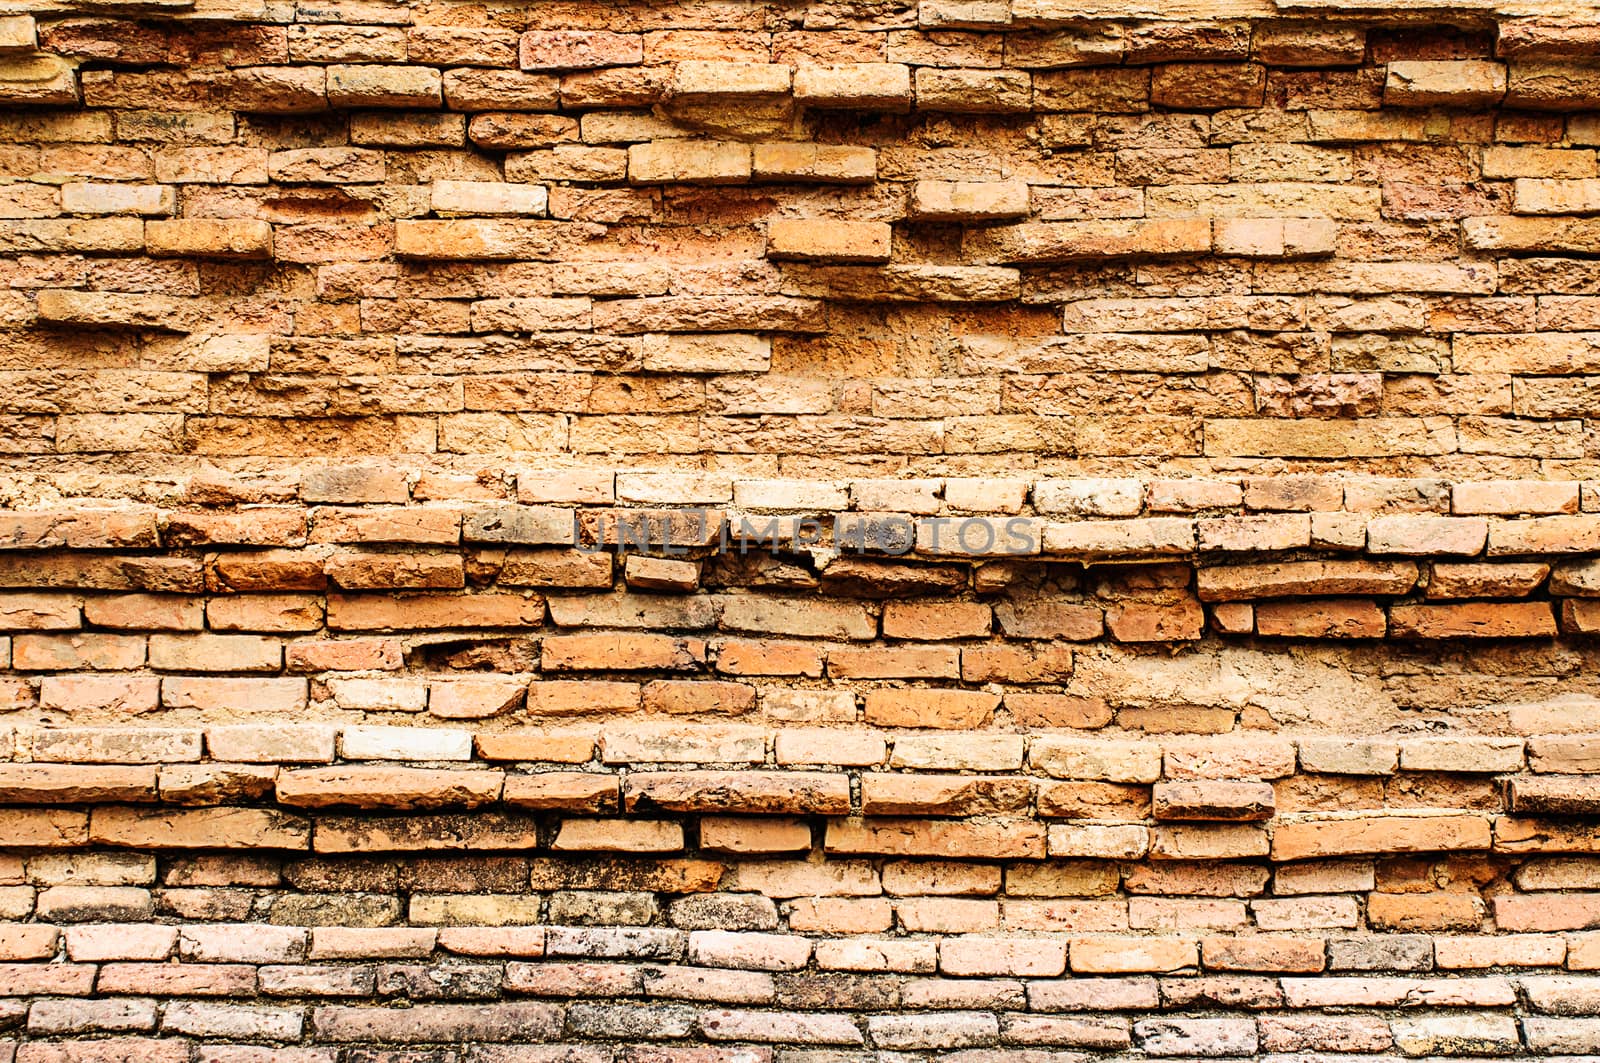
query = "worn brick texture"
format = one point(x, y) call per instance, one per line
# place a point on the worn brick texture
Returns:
point(988, 531)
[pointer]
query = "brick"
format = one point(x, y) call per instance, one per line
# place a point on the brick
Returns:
point(144, 612)
point(1472, 620)
point(818, 240)
point(554, 697)
point(109, 745)
point(696, 162)
point(958, 752)
point(1347, 618)
point(209, 238)
point(618, 835)
point(1462, 754)
point(378, 695)
point(930, 708)
point(1074, 241)
point(744, 792)
point(215, 653)
point(74, 784)
point(89, 693)
point(1305, 578)
point(858, 86)
point(578, 50)
point(916, 837)
point(1403, 534)
point(1136, 622)
point(936, 620)
point(1485, 580)
point(821, 163)
point(39, 612)
point(1514, 497)
point(404, 743)
point(224, 828)
point(1215, 800)
point(471, 699)
point(1114, 761)
point(566, 791)
point(286, 696)
point(1387, 834)
point(967, 201)
point(972, 91)
point(387, 788)
point(1461, 83)
point(1109, 955)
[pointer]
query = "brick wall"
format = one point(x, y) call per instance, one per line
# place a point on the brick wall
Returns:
point(706, 532)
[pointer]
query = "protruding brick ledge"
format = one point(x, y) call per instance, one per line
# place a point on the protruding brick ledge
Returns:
point(1287, 557)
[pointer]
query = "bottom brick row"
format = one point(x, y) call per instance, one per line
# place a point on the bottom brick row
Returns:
point(624, 1032)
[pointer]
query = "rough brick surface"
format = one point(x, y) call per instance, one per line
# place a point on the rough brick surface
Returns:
point(701, 533)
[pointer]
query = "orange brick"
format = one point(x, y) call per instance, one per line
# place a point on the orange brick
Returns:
point(146, 612)
point(1179, 621)
point(936, 620)
point(1380, 834)
point(1351, 618)
point(620, 653)
point(954, 709)
point(768, 657)
point(698, 696)
point(1498, 620)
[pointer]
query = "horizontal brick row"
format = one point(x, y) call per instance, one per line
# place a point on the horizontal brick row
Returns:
point(976, 1034)
point(1226, 759)
point(455, 500)
point(1297, 837)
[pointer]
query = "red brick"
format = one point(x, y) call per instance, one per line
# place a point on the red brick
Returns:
point(265, 571)
point(936, 620)
point(121, 695)
point(1306, 578)
point(698, 697)
point(475, 698)
point(279, 613)
point(1473, 620)
point(1352, 618)
point(1547, 912)
point(768, 657)
point(419, 612)
point(344, 655)
point(1424, 912)
point(894, 662)
point(214, 828)
point(1136, 622)
point(1208, 86)
point(1027, 663)
point(386, 787)
point(550, 697)
point(65, 653)
point(1380, 834)
point(905, 837)
point(619, 653)
point(145, 612)
point(579, 49)
point(566, 791)
point(111, 1050)
point(1057, 710)
point(1047, 619)
point(178, 979)
point(953, 709)
point(54, 979)
point(39, 612)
